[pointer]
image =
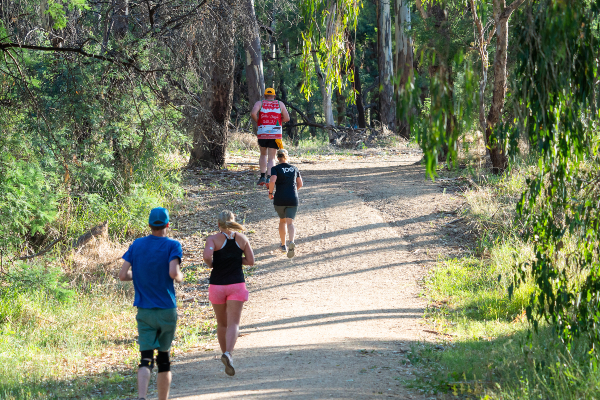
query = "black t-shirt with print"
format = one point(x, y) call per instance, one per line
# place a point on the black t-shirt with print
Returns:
point(286, 192)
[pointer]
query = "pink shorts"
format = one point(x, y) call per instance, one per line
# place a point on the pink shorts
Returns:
point(219, 294)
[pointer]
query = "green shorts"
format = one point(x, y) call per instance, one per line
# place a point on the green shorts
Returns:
point(156, 328)
point(286, 211)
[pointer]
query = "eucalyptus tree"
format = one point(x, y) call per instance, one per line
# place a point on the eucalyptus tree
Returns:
point(403, 56)
point(325, 49)
point(254, 64)
point(387, 105)
point(495, 14)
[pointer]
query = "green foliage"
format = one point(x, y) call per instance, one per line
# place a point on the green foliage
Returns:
point(334, 18)
point(27, 200)
point(56, 9)
point(36, 279)
point(556, 105)
point(444, 116)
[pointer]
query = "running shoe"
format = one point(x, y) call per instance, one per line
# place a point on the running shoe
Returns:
point(228, 362)
point(291, 248)
point(262, 181)
point(283, 248)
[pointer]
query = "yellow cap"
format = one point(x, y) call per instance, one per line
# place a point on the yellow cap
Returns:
point(269, 92)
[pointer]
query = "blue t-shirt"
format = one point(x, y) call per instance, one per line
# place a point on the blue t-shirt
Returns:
point(149, 258)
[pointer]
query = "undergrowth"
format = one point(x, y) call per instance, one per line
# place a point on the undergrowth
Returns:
point(490, 350)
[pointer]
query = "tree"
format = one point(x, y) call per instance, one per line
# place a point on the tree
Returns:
point(329, 53)
point(211, 125)
point(404, 56)
point(387, 105)
point(254, 65)
point(556, 105)
point(501, 13)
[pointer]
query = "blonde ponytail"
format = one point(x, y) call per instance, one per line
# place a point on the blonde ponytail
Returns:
point(227, 221)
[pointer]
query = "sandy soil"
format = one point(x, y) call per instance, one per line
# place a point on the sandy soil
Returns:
point(336, 321)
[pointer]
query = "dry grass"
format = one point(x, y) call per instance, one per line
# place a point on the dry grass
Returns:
point(240, 140)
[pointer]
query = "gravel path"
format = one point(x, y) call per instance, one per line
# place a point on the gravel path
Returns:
point(336, 321)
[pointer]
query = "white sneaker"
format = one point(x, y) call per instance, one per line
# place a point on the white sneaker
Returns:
point(227, 360)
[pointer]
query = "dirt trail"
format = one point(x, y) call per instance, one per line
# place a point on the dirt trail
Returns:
point(336, 320)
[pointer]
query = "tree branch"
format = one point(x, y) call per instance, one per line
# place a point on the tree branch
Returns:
point(421, 9)
point(510, 9)
point(80, 51)
point(47, 249)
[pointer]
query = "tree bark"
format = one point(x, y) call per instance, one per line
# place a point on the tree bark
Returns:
point(121, 18)
point(360, 107)
point(387, 105)
point(325, 93)
point(210, 133)
point(404, 56)
point(495, 146)
point(254, 65)
point(341, 107)
point(357, 86)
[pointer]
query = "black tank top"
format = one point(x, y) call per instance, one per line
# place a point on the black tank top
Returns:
point(227, 265)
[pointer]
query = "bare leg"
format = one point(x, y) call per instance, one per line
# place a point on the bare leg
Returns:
point(282, 230)
point(221, 316)
point(234, 314)
point(262, 160)
point(143, 381)
point(291, 228)
point(272, 154)
point(163, 381)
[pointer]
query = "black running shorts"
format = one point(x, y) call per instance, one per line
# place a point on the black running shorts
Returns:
point(286, 211)
point(271, 143)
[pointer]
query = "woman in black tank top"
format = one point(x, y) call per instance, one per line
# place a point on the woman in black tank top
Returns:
point(226, 253)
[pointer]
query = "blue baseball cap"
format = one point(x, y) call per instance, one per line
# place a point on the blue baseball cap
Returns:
point(159, 216)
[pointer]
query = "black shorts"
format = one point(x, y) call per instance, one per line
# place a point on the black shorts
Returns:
point(270, 143)
point(286, 211)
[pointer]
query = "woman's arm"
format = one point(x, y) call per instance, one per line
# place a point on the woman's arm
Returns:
point(248, 258)
point(299, 182)
point(272, 185)
point(209, 249)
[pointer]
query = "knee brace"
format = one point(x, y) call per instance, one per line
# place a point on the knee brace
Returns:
point(147, 359)
point(163, 362)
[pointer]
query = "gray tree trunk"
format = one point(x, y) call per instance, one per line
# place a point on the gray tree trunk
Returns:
point(254, 65)
point(325, 92)
point(404, 56)
point(387, 105)
point(210, 130)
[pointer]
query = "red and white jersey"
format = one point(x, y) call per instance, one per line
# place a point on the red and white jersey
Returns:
point(269, 120)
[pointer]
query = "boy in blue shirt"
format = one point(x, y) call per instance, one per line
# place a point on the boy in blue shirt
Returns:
point(154, 261)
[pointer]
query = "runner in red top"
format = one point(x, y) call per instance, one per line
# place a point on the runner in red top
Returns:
point(269, 114)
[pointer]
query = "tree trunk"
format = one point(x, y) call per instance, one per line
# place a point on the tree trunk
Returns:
point(310, 113)
point(387, 105)
point(357, 86)
point(121, 18)
point(325, 93)
point(341, 107)
point(360, 107)
point(254, 65)
point(404, 56)
point(210, 133)
point(496, 148)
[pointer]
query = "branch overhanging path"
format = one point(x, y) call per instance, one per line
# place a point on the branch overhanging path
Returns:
point(336, 320)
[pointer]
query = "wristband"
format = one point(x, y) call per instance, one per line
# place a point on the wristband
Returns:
point(270, 192)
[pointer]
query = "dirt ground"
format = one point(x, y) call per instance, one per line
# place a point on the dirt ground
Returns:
point(336, 321)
